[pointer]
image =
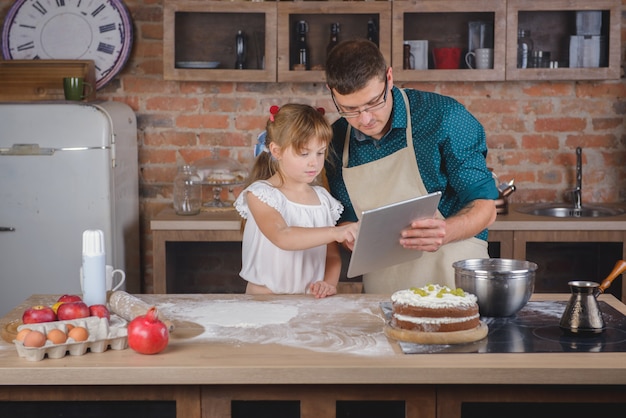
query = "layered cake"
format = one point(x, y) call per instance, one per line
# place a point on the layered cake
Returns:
point(434, 308)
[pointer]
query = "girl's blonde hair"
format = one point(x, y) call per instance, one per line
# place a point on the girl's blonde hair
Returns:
point(294, 125)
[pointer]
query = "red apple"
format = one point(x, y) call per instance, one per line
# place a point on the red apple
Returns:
point(72, 310)
point(101, 311)
point(69, 298)
point(38, 314)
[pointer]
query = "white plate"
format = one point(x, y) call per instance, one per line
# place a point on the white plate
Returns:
point(197, 64)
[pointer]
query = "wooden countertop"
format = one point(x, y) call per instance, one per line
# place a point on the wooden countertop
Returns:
point(229, 219)
point(222, 219)
point(239, 339)
point(517, 221)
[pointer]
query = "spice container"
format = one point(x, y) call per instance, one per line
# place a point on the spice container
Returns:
point(187, 191)
point(539, 59)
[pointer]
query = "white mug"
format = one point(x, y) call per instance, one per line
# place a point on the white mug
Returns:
point(483, 58)
point(419, 54)
point(110, 273)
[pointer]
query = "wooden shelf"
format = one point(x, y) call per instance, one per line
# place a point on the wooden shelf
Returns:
point(551, 23)
point(26, 80)
point(206, 31)
point(319, 15)
point(444, 24)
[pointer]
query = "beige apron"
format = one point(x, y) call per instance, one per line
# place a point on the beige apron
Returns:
point(389, 180)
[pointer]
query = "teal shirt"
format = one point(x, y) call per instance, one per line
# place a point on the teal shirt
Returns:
point(450, 148)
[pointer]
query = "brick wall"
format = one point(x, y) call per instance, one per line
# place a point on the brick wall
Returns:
point(532, 128)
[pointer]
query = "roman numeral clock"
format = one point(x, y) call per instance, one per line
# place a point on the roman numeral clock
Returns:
point(98, 30)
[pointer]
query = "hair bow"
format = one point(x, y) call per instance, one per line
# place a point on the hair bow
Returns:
point(260, 147)
point(273, 110)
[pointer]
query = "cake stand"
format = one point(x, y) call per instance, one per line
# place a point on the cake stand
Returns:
point(220, 173)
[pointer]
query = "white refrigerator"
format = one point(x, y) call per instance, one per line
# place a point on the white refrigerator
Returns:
point(64, 168)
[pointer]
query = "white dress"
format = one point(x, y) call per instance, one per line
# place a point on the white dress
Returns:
point(282, 271)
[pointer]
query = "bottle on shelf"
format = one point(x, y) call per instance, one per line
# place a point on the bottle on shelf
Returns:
point(334, 37)
point(524, 48)
point(302, 53)
point(372, 31)
point(406, 56)
point(240, 49)
point(187, 191)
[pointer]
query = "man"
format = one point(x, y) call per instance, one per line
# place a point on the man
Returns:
point(393, 144)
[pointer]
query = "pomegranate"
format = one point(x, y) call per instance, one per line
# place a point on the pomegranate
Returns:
point(147, 334)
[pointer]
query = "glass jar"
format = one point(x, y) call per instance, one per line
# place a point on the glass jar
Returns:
point(187, 191)
point(524, 48)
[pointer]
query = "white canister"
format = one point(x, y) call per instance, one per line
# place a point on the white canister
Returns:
point(94, 268)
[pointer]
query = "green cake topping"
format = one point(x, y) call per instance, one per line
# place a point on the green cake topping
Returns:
point(443, 290)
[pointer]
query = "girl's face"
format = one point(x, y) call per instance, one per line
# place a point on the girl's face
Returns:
point(301, 165)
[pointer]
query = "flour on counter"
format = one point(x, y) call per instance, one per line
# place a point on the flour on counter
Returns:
point(242, 314)
point(336, 324)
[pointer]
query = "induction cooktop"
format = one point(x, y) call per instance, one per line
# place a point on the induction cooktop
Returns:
point(534, 329)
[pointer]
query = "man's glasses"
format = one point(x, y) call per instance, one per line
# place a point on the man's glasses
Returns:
point(356, 113)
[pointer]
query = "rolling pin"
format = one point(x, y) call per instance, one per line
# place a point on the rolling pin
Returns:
point(129, 307)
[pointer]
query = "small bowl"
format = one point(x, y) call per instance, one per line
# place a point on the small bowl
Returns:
point(502, 286)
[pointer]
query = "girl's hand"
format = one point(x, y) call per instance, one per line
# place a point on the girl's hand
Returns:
point(322, 289)
point(346, 233)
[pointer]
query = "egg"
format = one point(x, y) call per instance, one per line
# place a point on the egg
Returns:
point(22, 334)
point(57, 336)
point(34, 339)
point(78, 334)
point(69, 327)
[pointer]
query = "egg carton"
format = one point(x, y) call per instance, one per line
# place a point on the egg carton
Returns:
point(102, 335)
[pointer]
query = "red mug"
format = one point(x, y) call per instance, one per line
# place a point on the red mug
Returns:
point(447, 58)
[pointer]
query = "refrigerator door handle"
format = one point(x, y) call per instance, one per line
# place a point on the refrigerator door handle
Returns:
point(6, 229)
point(35, 149)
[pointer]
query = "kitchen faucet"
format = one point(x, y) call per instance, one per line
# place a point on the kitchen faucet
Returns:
point(578, 191)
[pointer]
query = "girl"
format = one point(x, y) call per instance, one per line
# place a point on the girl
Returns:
point(290, 238)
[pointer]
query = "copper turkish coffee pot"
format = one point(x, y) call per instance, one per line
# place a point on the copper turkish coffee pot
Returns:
point(582, 314)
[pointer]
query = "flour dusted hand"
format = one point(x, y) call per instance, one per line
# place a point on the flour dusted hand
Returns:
point(322, 289)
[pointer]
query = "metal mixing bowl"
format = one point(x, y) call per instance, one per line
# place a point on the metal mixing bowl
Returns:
point(502, 286)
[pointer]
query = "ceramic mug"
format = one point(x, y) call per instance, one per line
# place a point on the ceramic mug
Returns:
point(448, 58)
point(483, 57)
point(110, 274)
point(74, 88)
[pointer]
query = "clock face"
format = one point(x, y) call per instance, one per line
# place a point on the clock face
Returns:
point(98, 30)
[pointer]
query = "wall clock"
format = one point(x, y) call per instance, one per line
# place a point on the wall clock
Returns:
point(98, 30)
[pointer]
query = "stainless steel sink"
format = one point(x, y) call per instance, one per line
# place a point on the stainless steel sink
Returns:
point(576, 209)
point(563, 210)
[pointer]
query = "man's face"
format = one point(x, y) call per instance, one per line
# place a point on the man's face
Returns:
point(368, 109)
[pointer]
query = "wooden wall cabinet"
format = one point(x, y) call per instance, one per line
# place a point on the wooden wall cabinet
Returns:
point(319, 15)
point(197, 33)
point(446, 24)
point(551, 23)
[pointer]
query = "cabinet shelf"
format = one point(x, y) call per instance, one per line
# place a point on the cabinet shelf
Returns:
point(551, 23)
point(319, 15)
point(197, 34)
point(445, 24)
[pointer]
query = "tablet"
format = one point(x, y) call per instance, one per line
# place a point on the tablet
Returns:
point(377, 245)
